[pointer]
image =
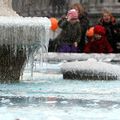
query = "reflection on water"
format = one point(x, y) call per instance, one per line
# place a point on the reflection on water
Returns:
point(49, 97)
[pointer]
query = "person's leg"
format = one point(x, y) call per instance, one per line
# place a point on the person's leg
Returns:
point(64, 48)
point(74, 49)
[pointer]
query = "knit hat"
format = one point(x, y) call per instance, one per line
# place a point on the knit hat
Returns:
point(98, 29)
point(90, 32)
point(73, 14)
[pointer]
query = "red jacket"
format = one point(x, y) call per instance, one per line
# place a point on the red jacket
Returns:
point(98, 46)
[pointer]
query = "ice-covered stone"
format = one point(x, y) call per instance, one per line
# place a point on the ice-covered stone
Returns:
point(19, 38)
point(90, 70)
point(20, 30)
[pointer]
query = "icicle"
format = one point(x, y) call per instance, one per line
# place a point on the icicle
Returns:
point(32, 66)
point(20, 37)
point(24, 31)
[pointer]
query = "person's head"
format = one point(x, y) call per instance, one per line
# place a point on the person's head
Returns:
point(99, 32)
point(72, 15)
point(107, 16)
point(78, 7)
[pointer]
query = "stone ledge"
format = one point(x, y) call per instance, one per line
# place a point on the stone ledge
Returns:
point(90, 70)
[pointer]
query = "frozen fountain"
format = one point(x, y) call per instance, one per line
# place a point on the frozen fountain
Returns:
point(19, 38)
point(48, 96)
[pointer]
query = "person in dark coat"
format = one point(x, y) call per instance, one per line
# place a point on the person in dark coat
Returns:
point(100, 43)
point(84, 22)
point(70, 35)
point(117, 37)
point(108, 21)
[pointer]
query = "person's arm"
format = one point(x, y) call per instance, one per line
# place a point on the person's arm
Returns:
point(78, 38)
point(63, 23)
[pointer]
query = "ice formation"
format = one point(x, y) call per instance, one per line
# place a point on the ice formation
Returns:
point(19, 38)
point(90, 70)
point(25, 31)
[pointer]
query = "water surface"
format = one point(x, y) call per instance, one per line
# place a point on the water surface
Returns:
point(47, 96)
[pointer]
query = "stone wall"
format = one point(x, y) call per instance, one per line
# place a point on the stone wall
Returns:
point(40, 7)
point(57, 8)
point(54, 7)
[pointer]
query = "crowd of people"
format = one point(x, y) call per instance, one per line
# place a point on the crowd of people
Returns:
point(78, 36)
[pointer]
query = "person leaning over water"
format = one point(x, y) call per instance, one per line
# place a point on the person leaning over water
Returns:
point(70, 35)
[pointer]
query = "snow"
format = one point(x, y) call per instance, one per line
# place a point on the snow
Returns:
point(91, 66)
point(24, 30)
point(52, 56)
